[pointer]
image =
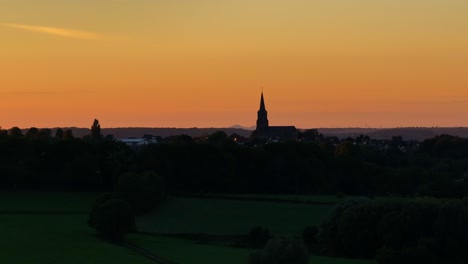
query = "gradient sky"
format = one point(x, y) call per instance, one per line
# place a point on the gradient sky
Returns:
point(203, 63)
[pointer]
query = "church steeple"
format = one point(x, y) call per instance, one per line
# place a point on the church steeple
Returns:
point(262, 116)
point(262, 104)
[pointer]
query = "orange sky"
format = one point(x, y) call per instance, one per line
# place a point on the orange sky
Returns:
point(156, 63)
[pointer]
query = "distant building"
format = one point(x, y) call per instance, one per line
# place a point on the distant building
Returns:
point(272, 133)
point(138, 141)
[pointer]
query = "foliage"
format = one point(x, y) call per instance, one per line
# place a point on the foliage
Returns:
point(15, 132)
point(68, 135)
point(96, 130)
point(113, 218)
point(259, 236)
point(310, 135)
point(40, 161)
point(218, 137)
point(396, 229)
point(309, 236)
point(93, 219)
point(143, 191)
point(59, 134)
point(32, 132)
point(437, 167)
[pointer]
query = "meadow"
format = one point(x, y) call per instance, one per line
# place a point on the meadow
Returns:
point(231, 217)
point(52, 228)
point(186, 251)
point(36, 238)
point(319, 199)
point(77, 202)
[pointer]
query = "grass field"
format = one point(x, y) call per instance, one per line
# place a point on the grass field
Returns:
point(286, 197)
point(56, 239)
point(53, 238)
point(46, 201)
point(185, 251)
point(214, 216)
point(33, 237)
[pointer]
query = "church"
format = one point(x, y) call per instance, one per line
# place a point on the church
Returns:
point(273, 133)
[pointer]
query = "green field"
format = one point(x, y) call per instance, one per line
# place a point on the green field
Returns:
point(229, 217)
point(56, 239)
point(30, 234)
point(186, 251)
point(46, 201)
point(287, 197)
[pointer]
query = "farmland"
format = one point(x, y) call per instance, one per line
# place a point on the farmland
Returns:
point(51, 228)
point(215, 216)
point(186, 251)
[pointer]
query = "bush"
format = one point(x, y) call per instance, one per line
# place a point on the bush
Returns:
point(281, 251)
point(113, 218)
point(258, 236)
point(387, 255)
point(101, 199)
point(309, 235)
point(143, 191)
point(405, 230)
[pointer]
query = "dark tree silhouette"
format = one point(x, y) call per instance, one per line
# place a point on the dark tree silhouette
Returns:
point(259, 236)
point(311, 135)
point(309, 236)
point(96, 130)
point(15, 132)
point(3, 132)
point(32, 132)
point(114, 218)
point(217, 137)
point(142, 191)
point(45, 133)
point(68, 134)
point(59, 133)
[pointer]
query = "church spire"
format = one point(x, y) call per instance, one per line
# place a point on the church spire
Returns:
point(262, 103)
point(262, 116)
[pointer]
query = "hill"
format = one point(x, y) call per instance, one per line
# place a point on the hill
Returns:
point(138, 132)
point(408, 133)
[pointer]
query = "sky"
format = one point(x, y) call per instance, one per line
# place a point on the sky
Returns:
point(204, 63)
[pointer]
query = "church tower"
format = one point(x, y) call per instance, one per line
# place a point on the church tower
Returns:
point(262, 116)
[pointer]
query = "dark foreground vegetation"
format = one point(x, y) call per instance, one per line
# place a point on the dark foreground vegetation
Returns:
point(410, 229)
point(423, 230)
point(437, 167)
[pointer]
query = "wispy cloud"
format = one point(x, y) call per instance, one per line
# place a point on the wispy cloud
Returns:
point(44, 92)
point(63, 32)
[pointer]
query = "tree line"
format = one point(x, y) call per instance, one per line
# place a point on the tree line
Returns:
point(436, 167)
point(398, 230)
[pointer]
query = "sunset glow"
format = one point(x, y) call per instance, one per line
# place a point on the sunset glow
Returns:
point(203, 63)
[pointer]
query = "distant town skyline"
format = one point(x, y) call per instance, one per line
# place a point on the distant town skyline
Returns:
point(388, 63)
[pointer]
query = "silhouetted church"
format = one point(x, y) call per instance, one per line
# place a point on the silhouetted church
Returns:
point(272, 132)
